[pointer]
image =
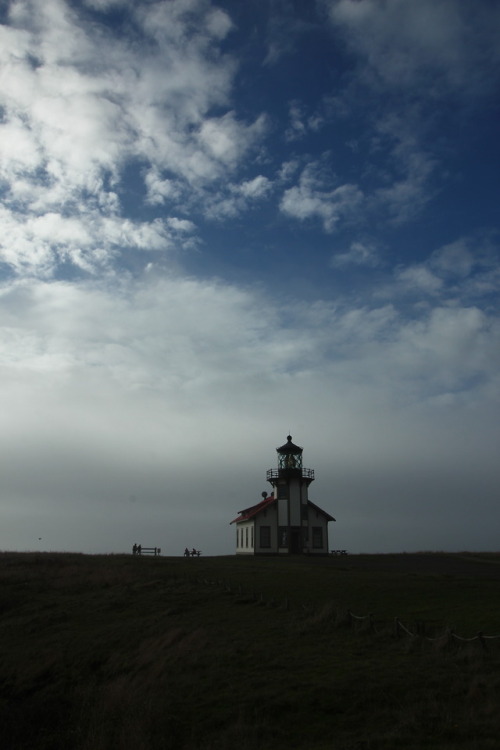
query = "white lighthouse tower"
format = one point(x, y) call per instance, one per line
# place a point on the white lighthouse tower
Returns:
point(291, 483)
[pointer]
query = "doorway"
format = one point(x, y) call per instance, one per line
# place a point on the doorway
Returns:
point(295, 545)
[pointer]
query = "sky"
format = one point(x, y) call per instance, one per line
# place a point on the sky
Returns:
point(223, 222)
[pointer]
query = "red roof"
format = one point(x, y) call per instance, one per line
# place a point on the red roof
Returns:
point(248, 513)
point(254, 509)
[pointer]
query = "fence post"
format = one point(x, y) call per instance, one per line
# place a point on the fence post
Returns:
point(395, 628)
point(482, 640)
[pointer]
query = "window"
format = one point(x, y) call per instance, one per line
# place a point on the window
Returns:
point(237, 537)
point(282, 493)
point(265, 536)
point(246, 537)
point(283, 536)
point(251, 542)
point(317, 537)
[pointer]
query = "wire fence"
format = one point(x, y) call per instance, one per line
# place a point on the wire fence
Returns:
point(367, 623)
point(400, 628)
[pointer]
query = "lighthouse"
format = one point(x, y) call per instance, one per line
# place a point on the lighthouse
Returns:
point(291, 483)
point(285, 522)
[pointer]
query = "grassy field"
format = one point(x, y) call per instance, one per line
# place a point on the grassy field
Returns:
point(105, 652)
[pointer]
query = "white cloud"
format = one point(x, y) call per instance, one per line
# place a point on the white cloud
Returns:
point(159, 190)
point(441, 46)
point(237, 198)
point(179, 21)
point(183, 226)
point(413, 61)
point(283, 29)
point(226, 140)
point(259, 187)
point(455, 336)
point(410, 185)
point(419, 278)
point(81, 103)
point(18, 150)
point(218, 23)
point(359, 254)
point(455, 259)
point(298, 127)
point(462, 273)
point(37, 243)
point(105, 4)
point(313, 198)
point(288, 170)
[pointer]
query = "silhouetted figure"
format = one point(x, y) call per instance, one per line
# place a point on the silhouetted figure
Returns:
point(186, 552)
point(134, 549)
point(139, 549)
point(193, 552)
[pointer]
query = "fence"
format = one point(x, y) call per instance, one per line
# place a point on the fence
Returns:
point(368, 621)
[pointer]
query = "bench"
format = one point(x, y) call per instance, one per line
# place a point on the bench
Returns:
point(338, 552)
point(148, 551)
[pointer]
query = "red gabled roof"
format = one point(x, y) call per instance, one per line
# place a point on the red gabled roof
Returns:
point(248, 513)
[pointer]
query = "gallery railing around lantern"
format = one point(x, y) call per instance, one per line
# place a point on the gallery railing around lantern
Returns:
point(278, 473)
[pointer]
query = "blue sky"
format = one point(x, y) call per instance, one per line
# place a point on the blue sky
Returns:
point(224, 222)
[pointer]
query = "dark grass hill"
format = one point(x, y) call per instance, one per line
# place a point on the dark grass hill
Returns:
point(341, 653)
